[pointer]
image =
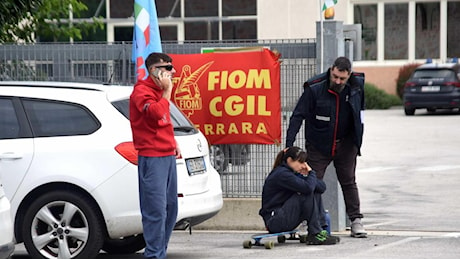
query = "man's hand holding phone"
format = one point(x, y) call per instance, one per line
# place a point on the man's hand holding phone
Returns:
point(163, 80)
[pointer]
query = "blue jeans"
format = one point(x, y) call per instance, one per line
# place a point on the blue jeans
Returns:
point(158, 202)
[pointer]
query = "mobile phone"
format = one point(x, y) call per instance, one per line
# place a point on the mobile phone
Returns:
point(156, 72)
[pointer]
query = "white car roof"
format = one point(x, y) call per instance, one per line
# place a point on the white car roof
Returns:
point(113, 92)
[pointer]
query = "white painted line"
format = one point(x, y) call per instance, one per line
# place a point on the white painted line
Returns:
point(380, 224)
point(454, 235)
point(437, 168)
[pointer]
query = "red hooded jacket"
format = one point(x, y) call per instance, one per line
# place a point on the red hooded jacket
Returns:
point(153, 132)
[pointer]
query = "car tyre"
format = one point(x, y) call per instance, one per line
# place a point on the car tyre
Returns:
point(239, 154)
point(125, 245)
point(62, 224)
point(409, 111)
point(218, 157)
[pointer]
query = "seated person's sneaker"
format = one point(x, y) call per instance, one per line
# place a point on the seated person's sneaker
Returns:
point(357, 228)
point(322, 238)
point(336, 238)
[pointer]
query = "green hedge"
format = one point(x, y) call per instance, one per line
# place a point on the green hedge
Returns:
point(379, 99)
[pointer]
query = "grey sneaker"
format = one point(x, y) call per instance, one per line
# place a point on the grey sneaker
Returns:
point(357, 229)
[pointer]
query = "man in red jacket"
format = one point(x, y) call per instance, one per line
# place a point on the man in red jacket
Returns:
point(153, 137)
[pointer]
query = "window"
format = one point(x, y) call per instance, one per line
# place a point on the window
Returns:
point(201, 30)
point(204, 21)
point(9, 125)
point(168, 8)
point(434, 74)
point(239, 7)
point(52, 118)
point(197, 8)
point(367, 16)
point(427, 30)
point(168, 33)
point(122, 106)
point(239, 30)
point(121, 9)
point(123, 33)
point(453, 37)
point(396, 31)
point(95, 8)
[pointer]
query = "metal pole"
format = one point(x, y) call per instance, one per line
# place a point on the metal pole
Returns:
point(322, 38)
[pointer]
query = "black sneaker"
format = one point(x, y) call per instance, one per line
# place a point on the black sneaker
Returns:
point(322, 238)
point(335, 237)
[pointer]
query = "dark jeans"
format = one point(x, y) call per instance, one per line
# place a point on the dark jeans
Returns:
point(297, 208)
point(345, 166)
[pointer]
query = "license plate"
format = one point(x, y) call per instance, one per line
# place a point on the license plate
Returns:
point(195, 166)
point(430, 88)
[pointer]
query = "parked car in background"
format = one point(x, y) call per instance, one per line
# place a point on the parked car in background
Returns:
point(223, 154)
point(69, 169)
point(433, 86)
point(6, 225)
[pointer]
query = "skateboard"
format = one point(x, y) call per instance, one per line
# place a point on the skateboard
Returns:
point(281, 237)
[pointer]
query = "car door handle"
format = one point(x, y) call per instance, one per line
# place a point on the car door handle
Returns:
point(10, 156)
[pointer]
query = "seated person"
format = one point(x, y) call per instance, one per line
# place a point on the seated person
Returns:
point(292, 194)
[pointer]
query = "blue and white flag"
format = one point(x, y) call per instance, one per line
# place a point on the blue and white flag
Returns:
point(146, 35)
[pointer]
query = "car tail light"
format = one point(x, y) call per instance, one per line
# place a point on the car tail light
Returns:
point(455, 84)
point(409, 84)
point(128, 152)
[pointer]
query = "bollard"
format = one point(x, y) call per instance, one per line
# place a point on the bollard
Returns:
point(333, 200)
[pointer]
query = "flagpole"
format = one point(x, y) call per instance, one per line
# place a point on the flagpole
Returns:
point(321, 28)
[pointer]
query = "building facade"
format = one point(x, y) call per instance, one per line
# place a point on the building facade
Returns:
point(394, 32)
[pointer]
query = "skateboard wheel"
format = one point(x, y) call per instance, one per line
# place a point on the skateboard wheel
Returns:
point(281, 239)
point(269, 245)
point(247, 244)
point(303, 238)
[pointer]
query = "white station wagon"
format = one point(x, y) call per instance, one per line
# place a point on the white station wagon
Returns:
point(69, 169)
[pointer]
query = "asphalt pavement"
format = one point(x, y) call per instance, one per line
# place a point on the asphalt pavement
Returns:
point(408, 176)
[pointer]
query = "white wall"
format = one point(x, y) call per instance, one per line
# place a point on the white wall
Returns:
point(292, 19)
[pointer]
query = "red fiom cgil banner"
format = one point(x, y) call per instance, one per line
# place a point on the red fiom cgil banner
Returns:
point(233, 97)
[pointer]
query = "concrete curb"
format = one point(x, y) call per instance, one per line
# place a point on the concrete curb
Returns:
point(236, 214)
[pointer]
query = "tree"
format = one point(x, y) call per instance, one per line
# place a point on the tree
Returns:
point(24, 20)
point(13, 12)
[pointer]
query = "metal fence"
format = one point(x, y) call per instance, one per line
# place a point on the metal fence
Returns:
point(244, 167)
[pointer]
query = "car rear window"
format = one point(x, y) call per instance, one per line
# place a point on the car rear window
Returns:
point(52, 118)
point(9, 124)
point(182, 125)
point(434, 74)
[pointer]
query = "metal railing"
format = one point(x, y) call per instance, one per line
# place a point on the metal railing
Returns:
point(246, 166)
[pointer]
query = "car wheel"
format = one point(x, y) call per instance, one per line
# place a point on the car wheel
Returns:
point(62, 224)
point(218, 158)
point(409, 111)
point(125, 245)
point(239, 153)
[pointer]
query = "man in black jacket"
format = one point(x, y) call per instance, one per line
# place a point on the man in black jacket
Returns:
point(332, 105)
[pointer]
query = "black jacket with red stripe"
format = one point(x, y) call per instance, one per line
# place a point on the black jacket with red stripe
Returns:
point(318, 106)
